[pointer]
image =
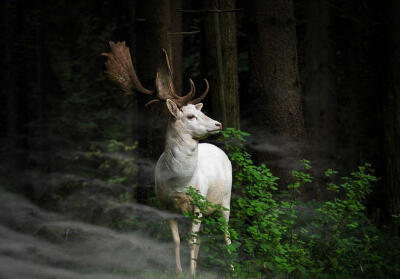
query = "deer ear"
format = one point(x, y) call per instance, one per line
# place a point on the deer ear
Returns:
point(173, 108)
point(199, 106)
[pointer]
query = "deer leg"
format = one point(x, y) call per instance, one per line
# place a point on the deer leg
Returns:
point(194, 243)
point(225, 214)
point(196, 252)
point(175, 235)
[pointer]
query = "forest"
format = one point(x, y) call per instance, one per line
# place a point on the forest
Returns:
point(308, 94)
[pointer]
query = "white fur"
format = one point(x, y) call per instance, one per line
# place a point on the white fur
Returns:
point(186, 163)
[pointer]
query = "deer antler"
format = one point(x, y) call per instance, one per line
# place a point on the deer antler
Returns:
point(202, 96)
point(121, 71)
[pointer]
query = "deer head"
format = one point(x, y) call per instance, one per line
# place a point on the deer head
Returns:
point(185, 110)
point(191, 120)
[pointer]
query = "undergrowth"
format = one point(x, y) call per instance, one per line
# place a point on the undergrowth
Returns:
point(276, 235)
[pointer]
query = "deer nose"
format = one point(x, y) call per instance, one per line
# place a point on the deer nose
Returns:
point(219, 125)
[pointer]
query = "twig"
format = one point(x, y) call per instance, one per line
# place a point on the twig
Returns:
point(184, 33)
point(210, 11)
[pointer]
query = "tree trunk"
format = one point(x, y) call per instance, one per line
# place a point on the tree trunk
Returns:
point(392, 120)
point(10, 91)
point(155, 19)
point(319, 89)
point(221, 61)
point(43, 146)
point(133, 118)
point(154, 24)
point(274, 85)
point(175, 40)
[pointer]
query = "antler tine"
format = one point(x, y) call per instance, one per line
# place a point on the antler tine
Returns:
point(119, 68)
point(151, 102)
point(163, 86)
point(164, 82)
point(199, 99)
point(185, 99)
point(170, 75)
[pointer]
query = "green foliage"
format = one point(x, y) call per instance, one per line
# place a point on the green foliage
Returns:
point(156, 274)
point(275, 235)
point(102, 184)
point(212, 234)
point(263, 219)
point(114, 162)
point(345, 242)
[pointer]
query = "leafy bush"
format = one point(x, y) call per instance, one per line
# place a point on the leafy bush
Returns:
point(275, 235)
point(262, 224)
point(217, 254)
point(344, 241)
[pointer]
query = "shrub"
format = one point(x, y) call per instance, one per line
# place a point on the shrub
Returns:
point(272, 239)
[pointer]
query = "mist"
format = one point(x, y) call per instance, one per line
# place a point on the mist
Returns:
point(36, 243)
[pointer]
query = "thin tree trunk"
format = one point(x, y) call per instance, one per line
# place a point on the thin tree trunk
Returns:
point(133, 117)
point(392, 120)
point(319, 90)
point(351, 118)
point(132, 44)
point(10, 87)
point(274, 85)
point(320, 103)
point(153, 25)
point(44, 157)
point(175, 40)
point(221, 61)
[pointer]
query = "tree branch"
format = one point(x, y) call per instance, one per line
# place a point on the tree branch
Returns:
point(184, 33)
point(211, 11)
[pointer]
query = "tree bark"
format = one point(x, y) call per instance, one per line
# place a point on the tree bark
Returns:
point(274, 85)
point(221, 61)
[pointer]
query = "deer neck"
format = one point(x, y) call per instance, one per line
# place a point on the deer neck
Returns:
point(181, 151)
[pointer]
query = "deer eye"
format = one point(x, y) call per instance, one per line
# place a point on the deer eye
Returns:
point(191, 116)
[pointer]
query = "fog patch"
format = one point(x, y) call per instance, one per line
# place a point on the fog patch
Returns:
point(40, 244)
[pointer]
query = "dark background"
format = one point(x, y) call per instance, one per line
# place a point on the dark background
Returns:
point(308, 79)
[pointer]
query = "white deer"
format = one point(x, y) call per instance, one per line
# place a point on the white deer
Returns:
point(185, 162)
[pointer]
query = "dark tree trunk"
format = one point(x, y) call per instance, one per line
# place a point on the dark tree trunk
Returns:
point(132, 43)
point(274, 84)
point(319, 90)
point(349, 111)
point(392, 120)
point(221, 61)
point(155, 19)
point(10, 91)
point(175, 40)
point(133, 117)
point(154, 24)
point(319, 93)
point(42, 144)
